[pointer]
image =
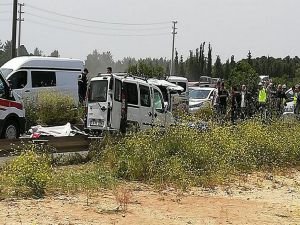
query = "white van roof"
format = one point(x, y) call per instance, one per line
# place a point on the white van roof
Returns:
point(176, 78)
point(121, 76)
point(166, 84)
point(44, 62)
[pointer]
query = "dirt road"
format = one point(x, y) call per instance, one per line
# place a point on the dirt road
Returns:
point(255, 199)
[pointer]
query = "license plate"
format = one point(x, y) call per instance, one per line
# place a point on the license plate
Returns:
point(96, 123)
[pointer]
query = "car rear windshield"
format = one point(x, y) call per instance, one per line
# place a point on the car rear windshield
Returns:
point(199, 94)
point(98, 91)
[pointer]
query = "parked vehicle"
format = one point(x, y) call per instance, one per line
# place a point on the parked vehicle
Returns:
point(29, 75)
point(205, 80)
point(193, 83)
point(200, 97)
point(289, 108)
point(183, 82)
point(171, 93)
point(12, 113)
point(215, 80)
point(120, 102)
point(264, 78)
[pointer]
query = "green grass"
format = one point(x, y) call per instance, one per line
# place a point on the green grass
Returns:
point(180, 157)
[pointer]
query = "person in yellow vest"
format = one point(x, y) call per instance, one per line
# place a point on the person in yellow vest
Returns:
point(262, 99)
point(262, 95)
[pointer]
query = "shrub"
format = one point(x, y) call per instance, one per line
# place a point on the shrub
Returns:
point(205, 113)
point(31, 114)
point(55, 108)
point(29, 173)
point(52, 108)
point(87, 177)
point(182, 156)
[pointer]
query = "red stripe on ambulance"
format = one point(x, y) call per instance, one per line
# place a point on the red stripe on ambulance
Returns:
point(8, 103)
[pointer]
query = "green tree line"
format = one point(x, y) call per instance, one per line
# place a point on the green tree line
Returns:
point(199, 63)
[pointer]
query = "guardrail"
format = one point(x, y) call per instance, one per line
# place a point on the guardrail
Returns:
point(60, 144)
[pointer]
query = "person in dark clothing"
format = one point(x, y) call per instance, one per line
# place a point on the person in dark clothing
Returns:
point(223, 96)
point(280, 100)
point(297, 105)
point(109, 70)
point(82, 85)
point(235, 104)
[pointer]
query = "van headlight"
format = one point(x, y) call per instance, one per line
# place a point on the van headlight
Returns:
point(96, 123)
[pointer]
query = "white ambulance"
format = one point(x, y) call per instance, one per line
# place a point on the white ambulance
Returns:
point(12, 113)
point(120, 102)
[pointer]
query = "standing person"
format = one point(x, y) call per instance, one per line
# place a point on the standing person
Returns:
point(280, 100)
point(223, 95)
point(215, 101)
point(109, 70)
point(235, 104)
point(271, 99)
point(244, 102)
point(284, 88)
point(82, 85)
point(262, 100)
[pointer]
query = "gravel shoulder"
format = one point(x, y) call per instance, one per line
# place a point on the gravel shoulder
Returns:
point(250, 199)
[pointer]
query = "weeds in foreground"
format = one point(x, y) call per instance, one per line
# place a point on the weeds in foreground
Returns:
point(123, 197)
point(180, 157)
point(183, 157)
point(28, 174)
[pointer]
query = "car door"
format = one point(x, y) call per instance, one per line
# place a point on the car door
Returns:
point(146, 111)
point(98, 102)
point(159, 115)
point(20, 83)
point(133, 109)
point(117, 104)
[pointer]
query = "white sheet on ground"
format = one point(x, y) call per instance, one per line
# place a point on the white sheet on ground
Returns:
point(56, 131)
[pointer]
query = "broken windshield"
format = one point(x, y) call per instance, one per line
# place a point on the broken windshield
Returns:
point(98, 91)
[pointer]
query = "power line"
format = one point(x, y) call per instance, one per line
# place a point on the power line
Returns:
point(95, 33)
point(87, 26)
point(96, 21)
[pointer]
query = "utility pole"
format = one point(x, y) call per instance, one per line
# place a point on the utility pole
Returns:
point(173, 46)
point(14, 29)
point(20, 19)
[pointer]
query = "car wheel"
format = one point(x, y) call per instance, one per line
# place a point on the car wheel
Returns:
point(11, 130)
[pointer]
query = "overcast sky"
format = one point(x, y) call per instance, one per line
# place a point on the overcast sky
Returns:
point(266, 27)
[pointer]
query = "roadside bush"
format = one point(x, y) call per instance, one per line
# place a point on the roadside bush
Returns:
point(182, 156)
point(55, 108)
point(31, 114)
point(52, 108)
point(205, 114)
point(88, 177)
point(29, 173)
